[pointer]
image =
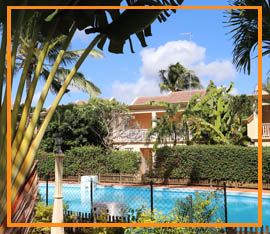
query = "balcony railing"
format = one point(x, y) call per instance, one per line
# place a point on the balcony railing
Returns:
point(266, 130)
point(138, 135)
point(131, 135)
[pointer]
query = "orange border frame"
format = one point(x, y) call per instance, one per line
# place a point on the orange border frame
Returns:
point(9, 161)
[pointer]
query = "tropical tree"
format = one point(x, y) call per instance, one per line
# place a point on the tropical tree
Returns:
point(217, 117)
point(93, 123)
point(51, 24)
point(79, 81)
point(111, 116)
point(178, 78)
point(69, 58)
point(170, 127)
point(244, 24)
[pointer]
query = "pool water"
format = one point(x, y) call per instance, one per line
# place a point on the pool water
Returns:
point(242, 207)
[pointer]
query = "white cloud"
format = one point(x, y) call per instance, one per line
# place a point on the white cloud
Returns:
point(218, 70)
point(126, 91)
point(185, 52)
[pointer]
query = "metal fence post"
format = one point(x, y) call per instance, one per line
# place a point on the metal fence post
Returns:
point(191, 208)
point(91, 199)
point(47, 189)
point(225, 203)
point(151, 197)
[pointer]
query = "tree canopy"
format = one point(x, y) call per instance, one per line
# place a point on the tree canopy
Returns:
point(178, 78)
point(92, 123)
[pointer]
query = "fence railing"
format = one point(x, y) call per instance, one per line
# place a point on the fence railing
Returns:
point(100, 204)
point(207, 183)
point(88, 217)
point(120, 178)
point(116, 178)
point(249, 230)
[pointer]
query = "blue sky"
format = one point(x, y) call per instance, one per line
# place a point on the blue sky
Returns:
point(208, 53)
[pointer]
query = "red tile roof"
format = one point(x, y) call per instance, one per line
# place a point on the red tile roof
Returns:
point(173, 97)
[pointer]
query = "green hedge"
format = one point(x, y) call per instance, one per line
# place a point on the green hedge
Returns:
point(231, 163)
point(90, 160)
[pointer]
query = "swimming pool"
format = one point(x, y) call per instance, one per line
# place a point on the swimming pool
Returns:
point(242, 207)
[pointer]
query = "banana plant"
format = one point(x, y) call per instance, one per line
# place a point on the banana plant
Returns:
point(49, 25)
point(212, 118)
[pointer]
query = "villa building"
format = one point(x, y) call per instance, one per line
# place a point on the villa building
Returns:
point(252, 123)
point(143, 116)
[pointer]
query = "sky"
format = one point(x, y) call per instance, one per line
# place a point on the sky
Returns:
point(207, 51)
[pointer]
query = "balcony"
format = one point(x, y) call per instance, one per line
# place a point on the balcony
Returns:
point(131, 135)
point(266, 130)
point(137, 136)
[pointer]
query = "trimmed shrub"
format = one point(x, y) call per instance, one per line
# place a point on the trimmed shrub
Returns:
point(45, 163)
point(220, 163)
point(90, 160)
point(85, 160)
point(124, 161)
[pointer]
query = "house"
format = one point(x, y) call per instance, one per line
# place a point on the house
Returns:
point(252, 122)
point(143, 114)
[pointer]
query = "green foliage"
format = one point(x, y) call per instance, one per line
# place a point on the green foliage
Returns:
point(169, 127)
point(218, 163)
point(45, 164)
point(198, 209)
point(90, 160)
point(86, 160)
point(203, 208)
point(110, 116)
point(100, 231)
point(43, 214)
point(178, 78)
point(217, 117)
point(58, 22)
point(87, 124)
point(124, 161)
point(244, 30)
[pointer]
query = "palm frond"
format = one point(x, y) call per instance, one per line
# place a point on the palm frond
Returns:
point(178, 78)
point(244, 30)
point(72, 56)
point(79, 81)
point(85, 85)
point(56, 83)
